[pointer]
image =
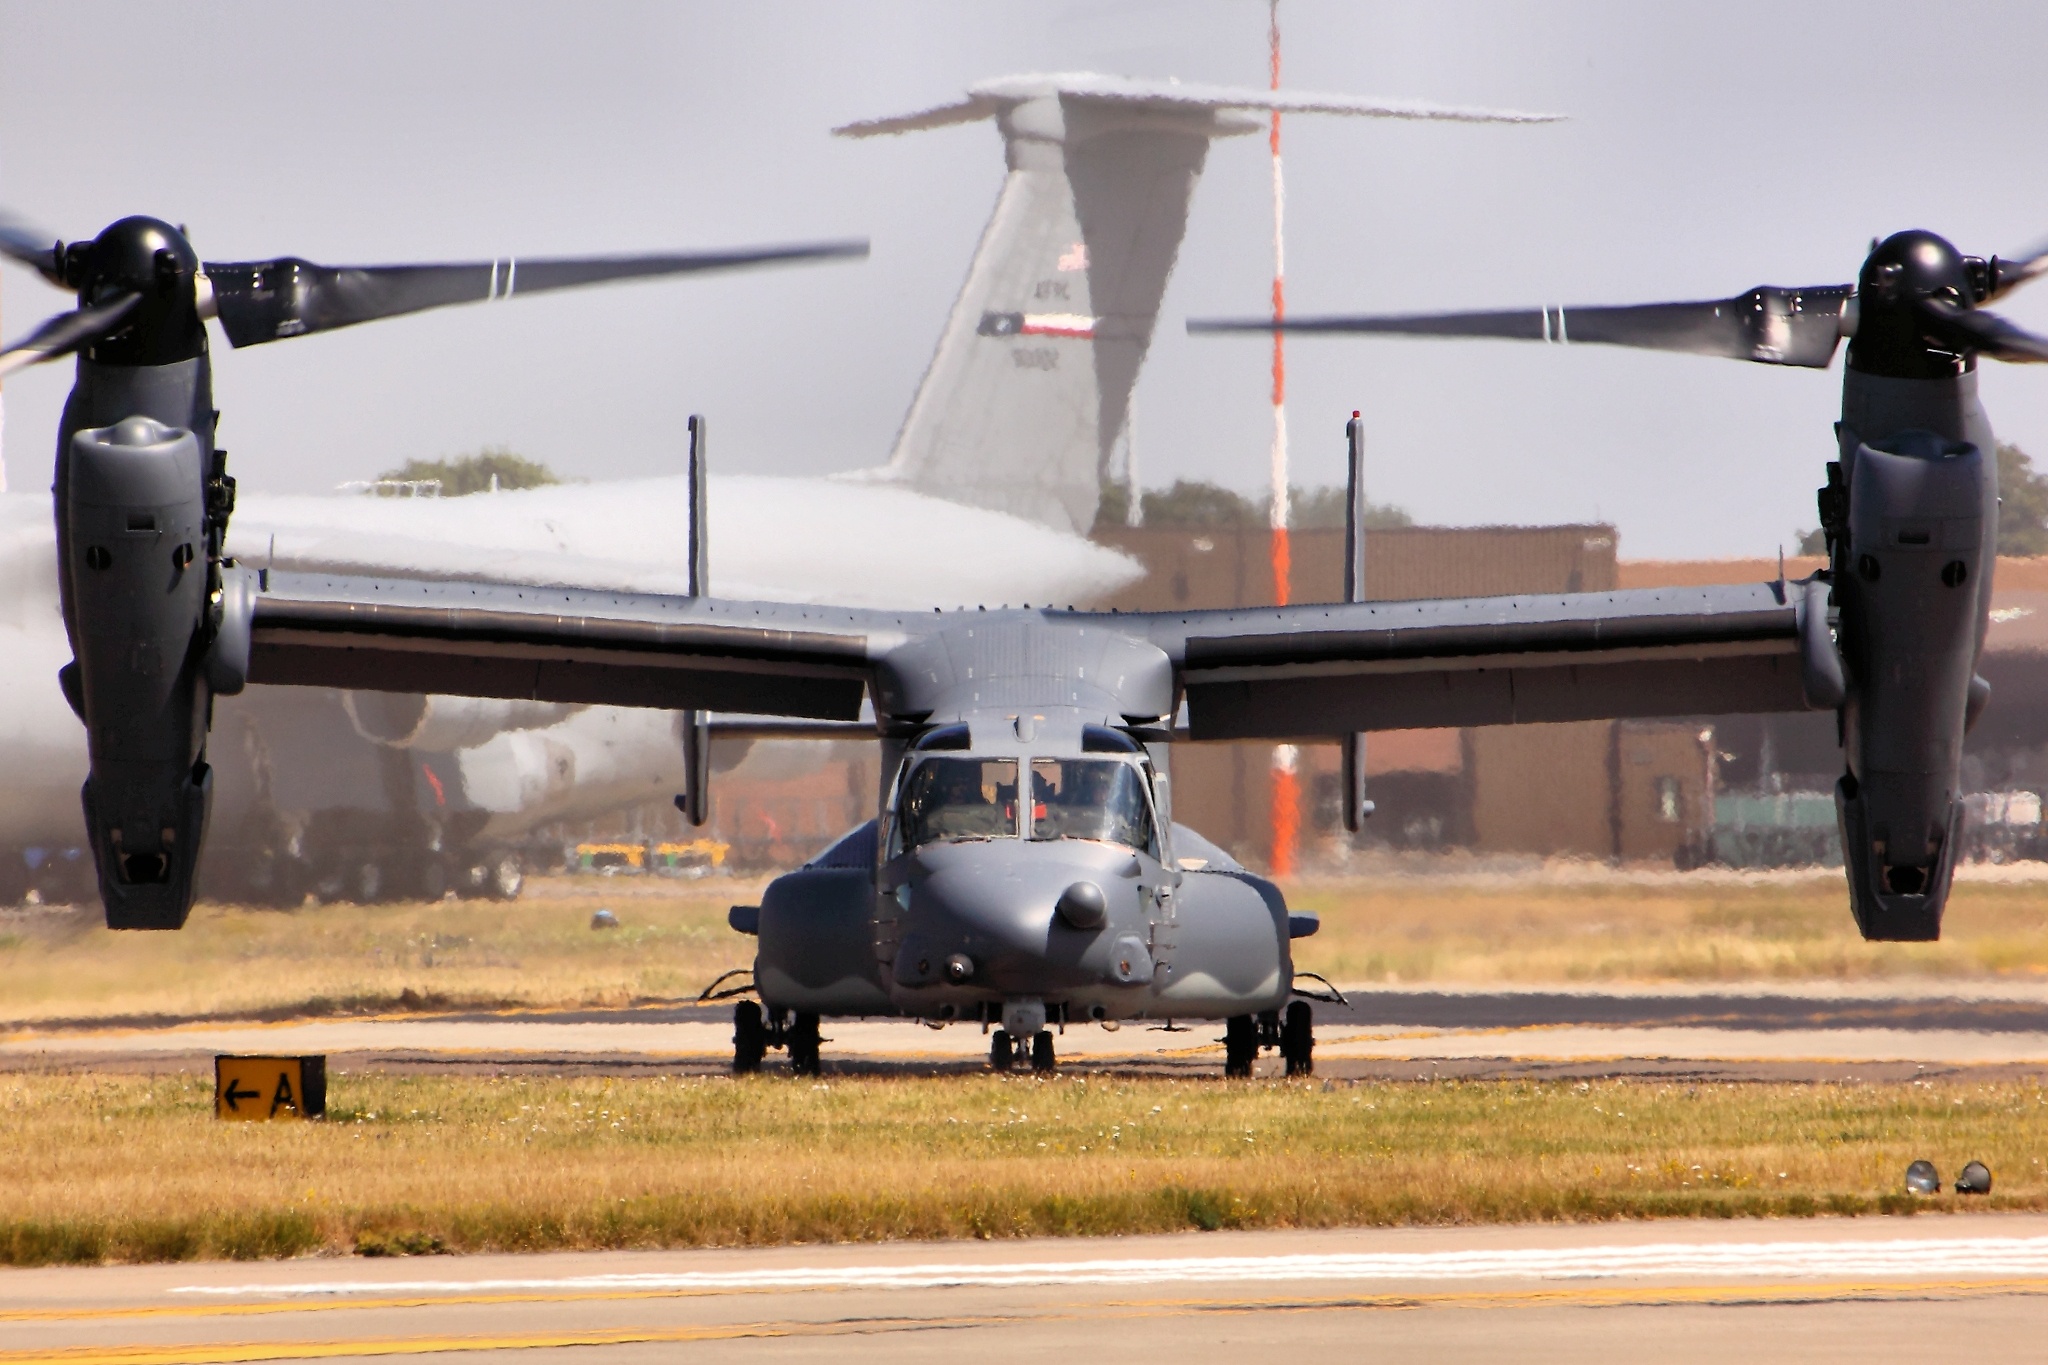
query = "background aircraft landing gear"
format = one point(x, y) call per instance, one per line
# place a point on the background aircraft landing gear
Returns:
point(1041, 1051)
point(755, 1031)
point(1002, 1050)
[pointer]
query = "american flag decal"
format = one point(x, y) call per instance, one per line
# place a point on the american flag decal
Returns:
point(1037, 325)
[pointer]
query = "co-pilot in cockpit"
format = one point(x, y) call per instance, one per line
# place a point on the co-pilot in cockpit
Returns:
point(1089, 798)
point(946, 798)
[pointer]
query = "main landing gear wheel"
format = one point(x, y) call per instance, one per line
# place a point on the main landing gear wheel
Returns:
point(1041, 1051)
point(504, 877)
point(749, 1038)
point(1002, 1050)
point(1298, 1039)
point(804, 1044)
point(1240, 1044)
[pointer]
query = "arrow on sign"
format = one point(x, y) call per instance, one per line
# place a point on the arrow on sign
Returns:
point(234, 1096)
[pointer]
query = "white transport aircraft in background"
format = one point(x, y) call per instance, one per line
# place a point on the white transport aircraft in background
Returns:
point(987, 497)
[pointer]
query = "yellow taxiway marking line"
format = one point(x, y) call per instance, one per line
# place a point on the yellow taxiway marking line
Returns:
point(249, 1352)
point(340, 1304)
point(1613, 1296)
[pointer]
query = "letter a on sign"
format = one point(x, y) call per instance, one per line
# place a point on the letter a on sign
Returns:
point(261, 1088)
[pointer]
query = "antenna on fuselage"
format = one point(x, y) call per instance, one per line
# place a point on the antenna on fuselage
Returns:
point(1356, 807)
point(695, 799)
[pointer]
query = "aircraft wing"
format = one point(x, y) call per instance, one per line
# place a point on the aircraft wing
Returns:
point(1314, 671)
point(566, 645)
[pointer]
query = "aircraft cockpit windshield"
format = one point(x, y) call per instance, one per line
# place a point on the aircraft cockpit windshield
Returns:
point(1089, 798)
point(946, 799)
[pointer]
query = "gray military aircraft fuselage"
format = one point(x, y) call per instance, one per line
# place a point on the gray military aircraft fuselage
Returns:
point(1025, 868)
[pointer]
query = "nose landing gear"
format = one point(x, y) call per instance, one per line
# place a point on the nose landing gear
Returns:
point(1004, 1051)
point(754, 1032)
point(1244, 1035)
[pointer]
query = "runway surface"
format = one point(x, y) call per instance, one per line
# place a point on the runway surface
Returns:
point(1892, 1029)
point(1958, 1287)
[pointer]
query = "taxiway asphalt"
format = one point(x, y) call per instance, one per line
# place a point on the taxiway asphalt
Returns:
point(1377, 1031)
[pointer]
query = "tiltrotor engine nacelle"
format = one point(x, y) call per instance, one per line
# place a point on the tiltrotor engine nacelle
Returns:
point(160, 623)
point(1910, 582)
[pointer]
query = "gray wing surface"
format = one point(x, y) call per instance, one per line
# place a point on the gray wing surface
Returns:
point(1313, 671)
point(566, 645)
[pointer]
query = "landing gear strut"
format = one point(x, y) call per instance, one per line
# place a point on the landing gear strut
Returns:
point(1244, 1035)
point(754, 1032)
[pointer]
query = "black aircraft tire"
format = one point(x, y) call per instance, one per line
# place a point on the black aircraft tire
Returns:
point(430, 880)
point(805, 1046)
point(1240, 1044)
point(749, 1038)
point(1002, 1050)
point(1298, 1039)
point(1042, 1058)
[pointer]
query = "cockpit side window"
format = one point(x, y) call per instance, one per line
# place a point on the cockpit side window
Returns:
point(959, 798)
point(1090, 798)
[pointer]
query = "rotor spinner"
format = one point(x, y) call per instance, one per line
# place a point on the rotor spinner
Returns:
point(1893, 336)
point(149, 258)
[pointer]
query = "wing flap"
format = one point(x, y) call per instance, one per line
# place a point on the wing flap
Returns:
point(1316, 671)
point(488, 640)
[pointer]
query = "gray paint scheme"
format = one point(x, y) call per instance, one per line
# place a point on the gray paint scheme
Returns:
point(1195, 938)
point(1892, 631)
point(975, 909)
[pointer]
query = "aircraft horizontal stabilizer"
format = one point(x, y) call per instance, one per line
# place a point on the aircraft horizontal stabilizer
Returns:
point(990, 97)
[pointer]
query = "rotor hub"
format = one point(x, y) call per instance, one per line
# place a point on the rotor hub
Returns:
point(1893, 336)
point(149, 258)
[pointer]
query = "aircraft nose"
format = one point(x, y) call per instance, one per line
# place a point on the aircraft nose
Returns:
point(1024, 916)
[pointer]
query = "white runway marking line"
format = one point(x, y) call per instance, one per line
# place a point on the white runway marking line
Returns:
point(1983, 1256)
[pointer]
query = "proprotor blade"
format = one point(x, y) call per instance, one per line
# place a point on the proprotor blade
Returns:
point(65, 333)
point(31, 246)
point(1769, 325)
point(2009, 273)
point(1973, 329)
point(260, 301)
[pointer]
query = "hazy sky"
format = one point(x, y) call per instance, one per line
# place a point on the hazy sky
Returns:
point(1711, 147)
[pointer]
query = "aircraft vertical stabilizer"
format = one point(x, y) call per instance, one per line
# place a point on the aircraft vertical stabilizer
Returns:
point(1031, 383)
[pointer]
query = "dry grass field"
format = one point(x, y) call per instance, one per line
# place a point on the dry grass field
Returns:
point(135, 1168)
point(672, 939)
point(1669, 927)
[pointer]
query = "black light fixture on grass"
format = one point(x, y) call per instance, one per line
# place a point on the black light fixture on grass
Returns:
point(1975, 1179)
point(1922, 1178)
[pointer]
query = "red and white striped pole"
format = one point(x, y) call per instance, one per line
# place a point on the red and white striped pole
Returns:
point(1286, 783)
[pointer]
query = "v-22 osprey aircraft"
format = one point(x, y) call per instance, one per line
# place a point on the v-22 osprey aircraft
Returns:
point(1023, 867)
